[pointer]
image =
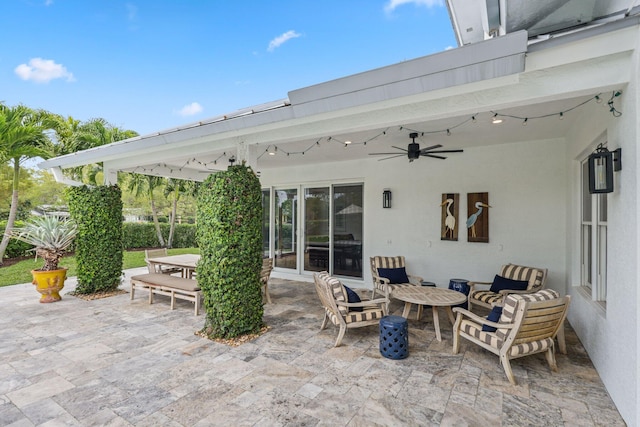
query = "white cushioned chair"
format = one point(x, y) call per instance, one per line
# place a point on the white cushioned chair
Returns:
point(528, 325)
point(334, 300)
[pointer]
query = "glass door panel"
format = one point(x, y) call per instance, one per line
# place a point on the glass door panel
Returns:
point(316, 229)
point(266, 229)
point(286, 212)
point(347, 233)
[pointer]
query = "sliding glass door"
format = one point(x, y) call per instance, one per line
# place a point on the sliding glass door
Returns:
point(286, 220)
point(316, 228)
point(329, 236)
point(347, 230)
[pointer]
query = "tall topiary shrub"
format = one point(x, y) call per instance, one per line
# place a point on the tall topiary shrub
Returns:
point(98, 213)
point(229, 236)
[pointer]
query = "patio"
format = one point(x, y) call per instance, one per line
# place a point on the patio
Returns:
point(116, 362)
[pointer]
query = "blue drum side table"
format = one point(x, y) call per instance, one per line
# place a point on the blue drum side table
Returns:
point(394, 337)
point(462, 286)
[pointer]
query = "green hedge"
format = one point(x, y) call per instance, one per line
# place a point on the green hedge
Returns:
point(134, 236)
point(143, 235)
point(98, 212)
point(229, 236)
point(16, 248)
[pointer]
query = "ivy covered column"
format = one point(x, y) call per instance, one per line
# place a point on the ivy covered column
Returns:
point(229, 236)
point(98, 213)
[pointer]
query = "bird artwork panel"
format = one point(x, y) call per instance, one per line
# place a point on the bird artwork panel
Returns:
point(449, 222)
point(478, 217)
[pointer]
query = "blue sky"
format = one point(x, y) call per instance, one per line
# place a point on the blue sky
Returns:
point(149, 65)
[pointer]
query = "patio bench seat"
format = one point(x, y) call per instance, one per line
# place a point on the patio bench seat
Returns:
point(163, 284)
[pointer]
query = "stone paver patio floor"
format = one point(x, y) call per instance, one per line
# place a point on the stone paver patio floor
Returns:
point(119, 363)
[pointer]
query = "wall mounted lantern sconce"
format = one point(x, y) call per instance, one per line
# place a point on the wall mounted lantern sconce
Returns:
point(602, 164)
point(386, 198)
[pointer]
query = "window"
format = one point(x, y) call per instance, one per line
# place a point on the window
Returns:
point(593, 250)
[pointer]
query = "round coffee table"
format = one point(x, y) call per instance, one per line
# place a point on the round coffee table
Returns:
point(435, 297)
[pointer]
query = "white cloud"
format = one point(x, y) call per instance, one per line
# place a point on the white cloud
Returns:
point(278, 41)
point(132, 11)
point(48, 2)
point(393, 4)
point(190, 109)
point(43, 71)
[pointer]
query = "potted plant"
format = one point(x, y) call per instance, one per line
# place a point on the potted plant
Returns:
point(51, 237)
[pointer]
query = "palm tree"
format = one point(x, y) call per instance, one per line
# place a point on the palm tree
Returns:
point(74, 136)
point(23, 135)
point(141, 184)
point(174, 189)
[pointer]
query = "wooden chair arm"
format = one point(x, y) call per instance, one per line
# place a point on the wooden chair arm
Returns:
point(381, 280)
point(506, 292)
point(479, 319)
point(363, 304)
point(472, 285)
point(414, 279)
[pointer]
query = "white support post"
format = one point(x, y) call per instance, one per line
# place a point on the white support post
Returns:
point(110, 176)
point(246, 153)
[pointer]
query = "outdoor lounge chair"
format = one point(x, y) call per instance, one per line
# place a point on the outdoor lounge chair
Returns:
point(535, 278)
point(528, 324)
point(265, 273)
point(387, 279)
point(334, 299)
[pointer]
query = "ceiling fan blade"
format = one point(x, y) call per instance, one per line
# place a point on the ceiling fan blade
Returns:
point(398, 148)
point(431, 148)
point(443, 151)
point(386, 154)
point(434, 156)
point(392, 157)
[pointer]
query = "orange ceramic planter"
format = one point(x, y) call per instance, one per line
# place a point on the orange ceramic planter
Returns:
point(49, 284)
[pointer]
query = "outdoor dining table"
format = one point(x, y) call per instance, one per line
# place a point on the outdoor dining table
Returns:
point(187, 262)
point(425, 295)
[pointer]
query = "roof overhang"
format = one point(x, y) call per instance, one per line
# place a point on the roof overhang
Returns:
point(338, 98)
point(434, 92)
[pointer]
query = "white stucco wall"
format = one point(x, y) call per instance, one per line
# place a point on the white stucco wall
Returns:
point(610, 335)
point(526, 185)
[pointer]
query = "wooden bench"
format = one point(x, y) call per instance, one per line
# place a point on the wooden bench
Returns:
point(171, 286)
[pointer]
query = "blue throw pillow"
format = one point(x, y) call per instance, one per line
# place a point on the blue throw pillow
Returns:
point(494, 316)
point(395, 275)
point(500, 283)
point(352, 297)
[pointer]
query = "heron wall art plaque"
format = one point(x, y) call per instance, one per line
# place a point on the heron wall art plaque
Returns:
point(449, 221)
point(478, 217)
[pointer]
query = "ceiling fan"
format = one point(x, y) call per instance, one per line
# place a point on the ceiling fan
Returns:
point(413, 151)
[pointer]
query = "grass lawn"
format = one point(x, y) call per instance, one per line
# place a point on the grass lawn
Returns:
point(20, 272)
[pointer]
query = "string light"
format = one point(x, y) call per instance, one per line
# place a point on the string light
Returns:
point(496, 119)
point(612, 109)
